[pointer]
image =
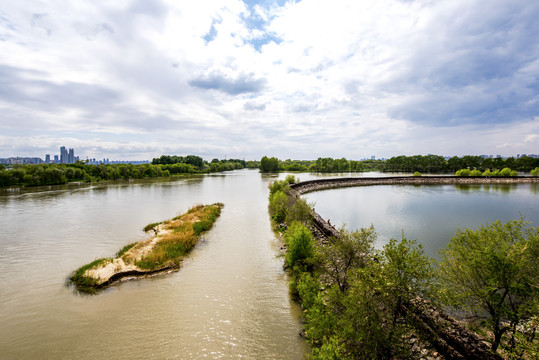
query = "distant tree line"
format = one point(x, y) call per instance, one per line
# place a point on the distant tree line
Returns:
point(58, 174)
point(402, 163)
point(437, 163)
point(320, 165)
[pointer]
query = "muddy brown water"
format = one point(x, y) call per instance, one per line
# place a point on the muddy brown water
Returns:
point(229, 300)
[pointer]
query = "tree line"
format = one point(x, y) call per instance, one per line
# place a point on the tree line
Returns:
point(437, 163)
point(402, 163)
point(319, 165)
point(358, 302)
point(58, 174)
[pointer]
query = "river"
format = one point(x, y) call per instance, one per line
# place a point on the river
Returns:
point(229, 300)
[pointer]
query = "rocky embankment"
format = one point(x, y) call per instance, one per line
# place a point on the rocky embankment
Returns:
point(450, 338)
point(325, 184)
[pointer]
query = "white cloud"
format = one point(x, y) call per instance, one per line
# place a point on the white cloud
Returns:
point(346, 78)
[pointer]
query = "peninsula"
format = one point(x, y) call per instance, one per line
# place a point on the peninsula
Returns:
point(172, 241)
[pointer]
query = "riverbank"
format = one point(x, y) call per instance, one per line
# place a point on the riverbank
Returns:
point(163, 253)
point(329, 283)
point(333, 183)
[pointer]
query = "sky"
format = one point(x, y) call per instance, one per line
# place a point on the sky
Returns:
point(136, 79)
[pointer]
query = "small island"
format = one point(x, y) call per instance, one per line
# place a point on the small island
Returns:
point(172, 241)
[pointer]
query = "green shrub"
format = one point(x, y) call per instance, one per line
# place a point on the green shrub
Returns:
point(463, 172)
point(291, 179)
point(417, 173)
point(505, 172)
point(300, 244)
point(277, 186)
point(535, 172)
point(476, 173)
point(278, 206)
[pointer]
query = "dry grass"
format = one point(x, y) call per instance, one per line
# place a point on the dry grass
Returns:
point(172, 241)
point(177, 237)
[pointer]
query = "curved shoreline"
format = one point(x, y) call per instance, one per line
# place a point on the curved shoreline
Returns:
point(449, 337)
point(334, 183)
point(326, 231)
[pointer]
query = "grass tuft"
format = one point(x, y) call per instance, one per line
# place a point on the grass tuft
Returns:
point(85, 283)
point(151, 226)
point(125, 249)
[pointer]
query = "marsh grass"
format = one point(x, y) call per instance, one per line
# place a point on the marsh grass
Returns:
point(85, 283)
point(184, 234)
point(177, 239)
point(125, 249)
point(151, 226)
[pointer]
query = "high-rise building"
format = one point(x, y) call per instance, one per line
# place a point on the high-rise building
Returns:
point(71, 156)
point(56, 159)
point(63, 155)
point(47, 158)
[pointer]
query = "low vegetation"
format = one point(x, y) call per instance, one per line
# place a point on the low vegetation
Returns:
point(505, 172)
point(354, 297)
point(172, 241)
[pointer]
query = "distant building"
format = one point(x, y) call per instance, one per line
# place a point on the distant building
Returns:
point(63, 155)
point(47, 158)
point(21, 160)
point(67, 156)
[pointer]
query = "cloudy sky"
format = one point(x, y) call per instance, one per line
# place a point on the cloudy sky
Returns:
point(135, 79)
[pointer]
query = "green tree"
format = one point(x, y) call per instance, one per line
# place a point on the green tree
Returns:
point(278, 206)
point(269, 164)
point(476, 172)
point(300, 244)
point(345, 253)
point(494, 272)
point(366, 320)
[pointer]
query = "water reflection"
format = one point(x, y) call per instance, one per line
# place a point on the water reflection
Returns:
point(429, 213)
point(503, 188)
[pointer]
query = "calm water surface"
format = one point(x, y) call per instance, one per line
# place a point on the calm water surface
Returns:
point(430, 214)
point(230, 299)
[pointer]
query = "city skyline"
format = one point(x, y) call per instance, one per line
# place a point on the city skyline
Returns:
point(284, 78)
point(69, 157)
